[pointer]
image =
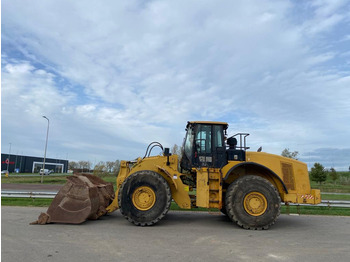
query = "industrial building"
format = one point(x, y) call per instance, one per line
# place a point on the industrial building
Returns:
point(31, 164)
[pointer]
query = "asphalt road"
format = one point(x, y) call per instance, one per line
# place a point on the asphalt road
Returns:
point(180, 236)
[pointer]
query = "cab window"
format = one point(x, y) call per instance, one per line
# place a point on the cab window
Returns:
point(189, 143)
point(218, 141)
point(203, 139)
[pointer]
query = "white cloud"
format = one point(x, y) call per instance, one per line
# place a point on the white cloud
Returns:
point(119, 75)
point(28, 90)
point(326, 8)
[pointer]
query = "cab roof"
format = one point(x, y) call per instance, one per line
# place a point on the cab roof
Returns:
point(224, 124)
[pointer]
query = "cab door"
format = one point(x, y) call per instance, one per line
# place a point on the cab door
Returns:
point(209, 146)
point(203, 146)
point(219, 148)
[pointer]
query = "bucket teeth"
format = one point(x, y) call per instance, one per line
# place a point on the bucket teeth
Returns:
point(83, 197)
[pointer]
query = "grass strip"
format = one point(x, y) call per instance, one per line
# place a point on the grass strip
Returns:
point(48, 180)
point(30, 202)
point(330, 187)
point(58, 180)
point(316, 210)
point(335, 197)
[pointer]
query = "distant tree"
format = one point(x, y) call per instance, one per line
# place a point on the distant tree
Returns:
point(81, 164)
point(109, 165)
point(333, 174)
point(287, 153)
point(88, 165)
point(84, 165)
point(318, 173)
point(176, 150)
point(72, 165)
point(100, 169)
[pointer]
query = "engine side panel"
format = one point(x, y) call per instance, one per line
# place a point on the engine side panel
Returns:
point(289, 176)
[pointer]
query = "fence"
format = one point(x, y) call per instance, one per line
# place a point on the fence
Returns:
point(6, 193)
point(28, 194)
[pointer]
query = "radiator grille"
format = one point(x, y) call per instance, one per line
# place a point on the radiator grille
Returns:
point(288, 175)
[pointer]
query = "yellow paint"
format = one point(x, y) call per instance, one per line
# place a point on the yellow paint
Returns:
point(209, 188)
point(202, 188)
point(157, 164)
point(301, 179)
point(293, 173)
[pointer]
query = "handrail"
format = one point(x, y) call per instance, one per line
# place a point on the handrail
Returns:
point(154, 145)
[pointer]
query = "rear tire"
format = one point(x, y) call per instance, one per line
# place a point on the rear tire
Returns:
point(144, 198)
point(252, 202)
point(223, 208)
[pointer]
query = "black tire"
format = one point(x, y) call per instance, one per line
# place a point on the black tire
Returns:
point(223, 208)
point(241, 197)
point(155, 210)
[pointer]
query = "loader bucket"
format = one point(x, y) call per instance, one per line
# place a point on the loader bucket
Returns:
point(83, 197)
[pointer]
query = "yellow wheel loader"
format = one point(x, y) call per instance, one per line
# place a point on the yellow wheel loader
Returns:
point(213, 172)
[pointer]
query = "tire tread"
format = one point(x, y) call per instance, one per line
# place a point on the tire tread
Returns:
point(230, 201)
point(156, 176)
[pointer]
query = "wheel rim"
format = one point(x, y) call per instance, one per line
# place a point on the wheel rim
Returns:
point(255, 203)
point(143, 198)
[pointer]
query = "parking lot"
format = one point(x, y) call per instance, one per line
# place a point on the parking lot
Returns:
point(181, 236)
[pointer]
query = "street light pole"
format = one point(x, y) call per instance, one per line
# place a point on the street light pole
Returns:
point(47, 137)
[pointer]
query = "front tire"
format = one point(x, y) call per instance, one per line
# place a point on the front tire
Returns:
point(144, 198)
point(252, 202)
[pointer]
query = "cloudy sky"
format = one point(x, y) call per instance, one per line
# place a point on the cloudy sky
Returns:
point(113, 76)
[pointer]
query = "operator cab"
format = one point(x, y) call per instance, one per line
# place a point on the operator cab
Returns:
point(204, 145)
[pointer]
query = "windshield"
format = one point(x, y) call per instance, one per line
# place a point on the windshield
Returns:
point(203, 139)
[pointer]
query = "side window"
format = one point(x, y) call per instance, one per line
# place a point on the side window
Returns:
point(203, 139)
point(218, 136)
point(189, 143)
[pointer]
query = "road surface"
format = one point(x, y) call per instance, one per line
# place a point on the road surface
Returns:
point(180, 236)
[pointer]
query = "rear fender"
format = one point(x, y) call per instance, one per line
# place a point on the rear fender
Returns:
point(251, 168)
